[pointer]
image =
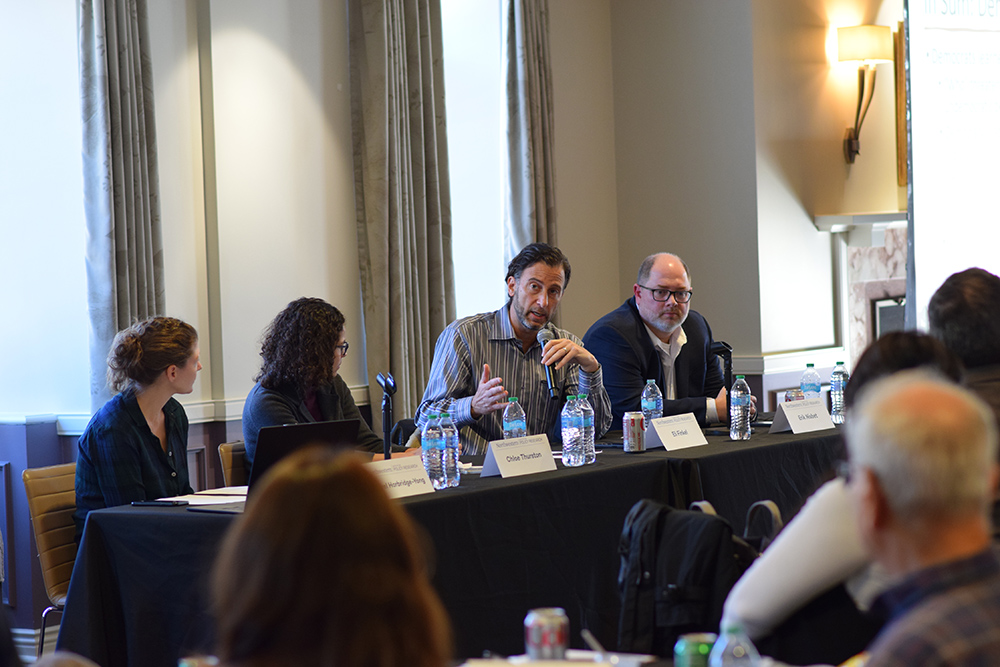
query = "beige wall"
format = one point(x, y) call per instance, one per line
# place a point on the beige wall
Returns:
point(580, 42)
point(283, 170)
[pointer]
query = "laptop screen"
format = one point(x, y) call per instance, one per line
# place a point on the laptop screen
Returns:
point(276, 442)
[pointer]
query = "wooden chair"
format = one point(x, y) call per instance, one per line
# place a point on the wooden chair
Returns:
point(51, 495)
point(233, 456)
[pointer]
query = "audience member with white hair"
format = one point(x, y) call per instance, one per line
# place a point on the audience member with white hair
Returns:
point(923, 466)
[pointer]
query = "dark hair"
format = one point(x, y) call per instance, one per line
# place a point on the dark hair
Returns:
point(323, 568)
point(964, 313)
point(299, 346)
point(647, 266)
point(898, 351)
point(534, 253)
point(140, 353)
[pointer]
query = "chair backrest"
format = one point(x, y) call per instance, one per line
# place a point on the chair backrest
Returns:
point(51, 495)
point(233, 456)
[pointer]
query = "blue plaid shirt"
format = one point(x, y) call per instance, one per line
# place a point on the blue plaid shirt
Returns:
point(120, 460)
point(948, 614)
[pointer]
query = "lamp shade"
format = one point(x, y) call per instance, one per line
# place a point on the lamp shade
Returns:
point(872, 43)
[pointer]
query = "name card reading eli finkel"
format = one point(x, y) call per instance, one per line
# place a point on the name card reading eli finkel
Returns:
point(403, 476)
point(801, 417)
point(675, 432)
point(518, 456)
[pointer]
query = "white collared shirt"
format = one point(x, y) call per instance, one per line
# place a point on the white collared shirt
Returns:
point(668, 355)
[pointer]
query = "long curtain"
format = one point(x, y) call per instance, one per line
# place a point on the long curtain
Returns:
point(124, 253)
point(401, 190)
point(530, 204)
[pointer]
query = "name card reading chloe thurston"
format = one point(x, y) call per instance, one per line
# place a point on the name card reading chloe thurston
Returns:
point(675, 432)
point(518, 456)
point(403, 476)
point(801, 417)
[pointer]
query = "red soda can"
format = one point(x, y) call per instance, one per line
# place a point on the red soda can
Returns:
point(634, 432)
point(546, 634)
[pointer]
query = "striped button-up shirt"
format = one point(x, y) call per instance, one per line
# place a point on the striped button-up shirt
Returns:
point(488, 338)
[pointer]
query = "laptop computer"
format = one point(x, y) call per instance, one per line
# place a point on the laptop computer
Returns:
point(276, 442)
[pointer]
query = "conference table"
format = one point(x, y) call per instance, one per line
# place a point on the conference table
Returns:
point(139, 591)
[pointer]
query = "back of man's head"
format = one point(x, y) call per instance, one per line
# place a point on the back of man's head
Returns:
point(930, 444)
point(964, 314)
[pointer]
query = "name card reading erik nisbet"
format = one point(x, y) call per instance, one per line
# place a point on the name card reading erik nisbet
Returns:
point(518, 456)
point(675, 432)
point(801, 417)
point(403, 476)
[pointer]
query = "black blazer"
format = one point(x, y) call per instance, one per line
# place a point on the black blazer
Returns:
point(621, 343)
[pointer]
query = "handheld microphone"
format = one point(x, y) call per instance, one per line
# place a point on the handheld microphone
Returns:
point(544, 336)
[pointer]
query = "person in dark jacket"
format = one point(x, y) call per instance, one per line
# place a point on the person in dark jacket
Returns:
point(656, 336)
point(299, 379)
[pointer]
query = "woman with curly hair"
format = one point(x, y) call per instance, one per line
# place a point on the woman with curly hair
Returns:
point(135, 447)
point(323, 569)
point(298, 381)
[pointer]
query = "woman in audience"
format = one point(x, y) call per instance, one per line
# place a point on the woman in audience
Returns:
point(324, 569)
point(135, 447)
point(820, 549)
point(299, 379)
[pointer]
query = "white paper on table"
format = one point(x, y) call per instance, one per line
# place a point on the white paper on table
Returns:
point(801, 417)
point(224, 491)
point(675, 432)
point(205, 499)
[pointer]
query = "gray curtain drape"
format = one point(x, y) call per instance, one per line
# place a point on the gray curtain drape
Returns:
point(530, 204)
point(124, 253)
point(401, 190)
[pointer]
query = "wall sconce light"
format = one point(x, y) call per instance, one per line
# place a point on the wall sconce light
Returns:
point(870, 45)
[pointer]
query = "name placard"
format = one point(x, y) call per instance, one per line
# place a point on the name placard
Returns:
point(403, 476)
point(675, 432)
point(518, 456)
point(801, 417)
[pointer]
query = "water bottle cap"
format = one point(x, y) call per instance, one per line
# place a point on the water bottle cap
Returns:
point(809, 365)
point(571, 397)
point(650, 381)
point(839, 363)
point(581, 395)
point(739, 377)
point(512, 399)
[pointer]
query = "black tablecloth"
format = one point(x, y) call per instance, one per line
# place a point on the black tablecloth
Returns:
point(139, 590)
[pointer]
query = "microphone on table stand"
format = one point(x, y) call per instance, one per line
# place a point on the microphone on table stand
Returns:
point(544, 336)
point(388, 389)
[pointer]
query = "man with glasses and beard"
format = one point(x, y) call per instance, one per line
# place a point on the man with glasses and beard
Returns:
point(656, 336)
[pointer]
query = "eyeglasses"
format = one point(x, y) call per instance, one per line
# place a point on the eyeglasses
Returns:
point(680, 296)
point(343, 348)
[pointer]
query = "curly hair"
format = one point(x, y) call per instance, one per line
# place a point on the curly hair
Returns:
point(144, 350)
point(298, 347)
point(323, 568)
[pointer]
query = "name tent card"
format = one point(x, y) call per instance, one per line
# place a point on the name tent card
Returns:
point(518, 456)
point(801, 417)
point(675, 432)
point(403, 476)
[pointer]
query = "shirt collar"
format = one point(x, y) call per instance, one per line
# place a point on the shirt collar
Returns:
point(501, 328)
point(672, 347)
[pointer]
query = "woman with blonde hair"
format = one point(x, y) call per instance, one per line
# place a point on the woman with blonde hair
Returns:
point(323, 569)
point(135, 447)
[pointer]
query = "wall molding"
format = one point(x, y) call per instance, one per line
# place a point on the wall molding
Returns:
point(198, 412)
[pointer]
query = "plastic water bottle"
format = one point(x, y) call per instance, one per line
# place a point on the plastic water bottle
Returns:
point(587, 412)
point(449, 432)
point(739, 410)
point(838, 381)
point(432, 451)
point(652, 402)
point(733, 649)
point(572, 434)
point(514, 422)
point(810, 383)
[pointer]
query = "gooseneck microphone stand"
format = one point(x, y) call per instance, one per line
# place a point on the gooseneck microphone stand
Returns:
point(388, 389)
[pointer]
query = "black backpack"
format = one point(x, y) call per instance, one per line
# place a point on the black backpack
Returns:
point(677, 567)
